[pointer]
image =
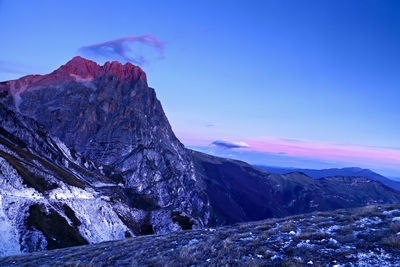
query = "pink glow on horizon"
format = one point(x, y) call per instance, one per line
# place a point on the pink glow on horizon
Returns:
point(326, 150)
point(341, 153)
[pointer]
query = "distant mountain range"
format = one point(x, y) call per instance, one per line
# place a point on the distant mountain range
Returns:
point(88, 155)
point(351, 171)
point(239, 192)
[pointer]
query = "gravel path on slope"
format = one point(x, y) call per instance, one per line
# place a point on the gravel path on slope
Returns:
point(367, 236)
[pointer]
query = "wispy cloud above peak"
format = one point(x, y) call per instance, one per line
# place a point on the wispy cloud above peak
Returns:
point(121, 48)
point(229, 145)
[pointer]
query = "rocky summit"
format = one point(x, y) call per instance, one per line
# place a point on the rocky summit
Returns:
point(87, 155)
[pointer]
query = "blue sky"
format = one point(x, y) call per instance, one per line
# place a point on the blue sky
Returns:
point(323, 72)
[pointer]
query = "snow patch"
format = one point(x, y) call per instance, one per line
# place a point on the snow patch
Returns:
point(391, 212)
point(9, 244)
point(101, 184)
point(64, 149)
point(70, 192)
point(369, 221)
point(99, 221)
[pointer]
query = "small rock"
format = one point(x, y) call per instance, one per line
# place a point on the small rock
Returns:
point(193, 241)
point(333, 241)
point(274, 257)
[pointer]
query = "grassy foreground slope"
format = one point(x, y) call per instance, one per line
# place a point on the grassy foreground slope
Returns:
point(368, 236)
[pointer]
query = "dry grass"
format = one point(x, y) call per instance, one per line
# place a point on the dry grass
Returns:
point(395, 227)
point(392, 241)
point(292, 241)
point(312, 236)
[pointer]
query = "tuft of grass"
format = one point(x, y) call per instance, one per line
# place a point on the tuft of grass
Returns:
point(395, 227)
point(347, 229)
point(368, 211)
point(344, 219)
point(392, 241)
point(346, 238)
point(312, 235)
point(287, 227)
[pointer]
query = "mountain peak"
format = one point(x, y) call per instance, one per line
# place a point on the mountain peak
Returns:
point(78, 69)
point(126, 72)
point(79, 59)
point(83, 69)
point(79, 62)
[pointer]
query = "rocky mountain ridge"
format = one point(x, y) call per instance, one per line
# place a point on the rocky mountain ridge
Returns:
point(239, 192)
point(77, 69)
point(349, 171)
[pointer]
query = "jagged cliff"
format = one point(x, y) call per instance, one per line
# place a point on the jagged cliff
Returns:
point(122, 151)
point(110, 115)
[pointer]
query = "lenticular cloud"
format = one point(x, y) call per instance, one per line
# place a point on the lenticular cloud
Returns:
point(230, 145)
point(119, 48)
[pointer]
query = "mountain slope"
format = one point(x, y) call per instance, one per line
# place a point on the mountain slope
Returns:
point(357, 237)
point(351, 171)
point(239, 192)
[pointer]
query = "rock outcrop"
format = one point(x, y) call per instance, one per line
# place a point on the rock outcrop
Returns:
point(110, 115)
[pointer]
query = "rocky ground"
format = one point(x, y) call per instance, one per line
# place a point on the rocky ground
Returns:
point(368, 236)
